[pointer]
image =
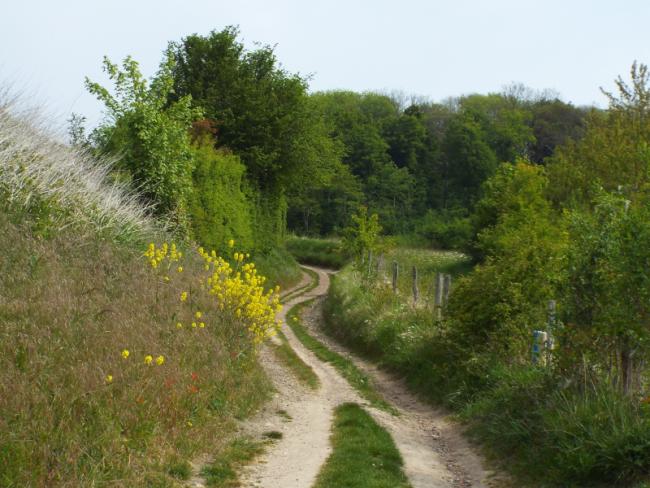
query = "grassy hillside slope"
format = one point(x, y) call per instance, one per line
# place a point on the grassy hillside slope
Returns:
point(112, 371)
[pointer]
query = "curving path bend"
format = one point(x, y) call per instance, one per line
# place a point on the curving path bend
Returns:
point(435, 453)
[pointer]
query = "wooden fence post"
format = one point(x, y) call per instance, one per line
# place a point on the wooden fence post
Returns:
point(438, 296)
point(552, 314)
point(416, 292)
point(395, 274)
point(446, 287)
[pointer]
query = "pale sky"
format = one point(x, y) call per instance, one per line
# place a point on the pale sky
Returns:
point(434, 49)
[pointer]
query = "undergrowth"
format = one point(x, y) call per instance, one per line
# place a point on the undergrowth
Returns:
point(328, 253)
point(98, 383)
point(222, 471)
point(550, 431)
point(279, 267)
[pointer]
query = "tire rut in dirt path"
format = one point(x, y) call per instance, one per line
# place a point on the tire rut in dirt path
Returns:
point(434, 452)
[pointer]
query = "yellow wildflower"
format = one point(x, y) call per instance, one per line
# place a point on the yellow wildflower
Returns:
point(179, 269)
point(125, 353)
point(179, 325)
point(109, 378)
point(148, 359)
point(194, 324)
point(202, 324)
point(198, 315)
point(231, 243)
point(183, 296)
point(160, 360)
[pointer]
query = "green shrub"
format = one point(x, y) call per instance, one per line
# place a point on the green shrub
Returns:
point(319, 252)
point(446, 229)
point(219, 209)
point(279, 267)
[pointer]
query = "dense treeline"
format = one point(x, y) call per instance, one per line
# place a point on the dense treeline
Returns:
point(215, 139)
point(216, 114)
point(420, 167)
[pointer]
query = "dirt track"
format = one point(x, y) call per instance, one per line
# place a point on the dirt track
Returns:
point(434, 452)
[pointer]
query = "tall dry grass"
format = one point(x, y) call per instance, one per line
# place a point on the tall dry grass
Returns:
point(69, 306)
point(74, 293)
point(34, 167)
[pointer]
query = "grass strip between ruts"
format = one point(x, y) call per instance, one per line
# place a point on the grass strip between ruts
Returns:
point(357, 379)
point(364, 454)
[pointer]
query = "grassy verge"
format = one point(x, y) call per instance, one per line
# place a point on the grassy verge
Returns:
point(297, 366)
point(73, 409)
point(319, 252)
point(364, 454)
point(427, 262)
point(222, 471)
point(578, 435)
point(279, 267)
point(359, 380)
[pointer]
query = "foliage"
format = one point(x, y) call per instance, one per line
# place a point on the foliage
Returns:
point(320, 252)
point(222, 471)
point(471, 159)
point(446, 229)
point(608, 287)
point(219, 208)
point(260, 110)
point(362, 237)
point(262, 114)
point(496, 308)
point(279, 267)
point(613, 154)
point(554, 123)
point(74, 302)
point(150, 136)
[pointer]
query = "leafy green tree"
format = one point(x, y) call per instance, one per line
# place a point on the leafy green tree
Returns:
point(470, 161)
point(362, 236)
point(554, 123)
point(219, 208)
point(514, 194)
point(506, 125)
point(389, 193)
point(260, 110)
point(149, 135)
point(264, 115)
point(495, 308)
point(607, 295)
point(614, 151)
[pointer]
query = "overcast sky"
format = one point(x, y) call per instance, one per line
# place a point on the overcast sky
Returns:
point(431, 48)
